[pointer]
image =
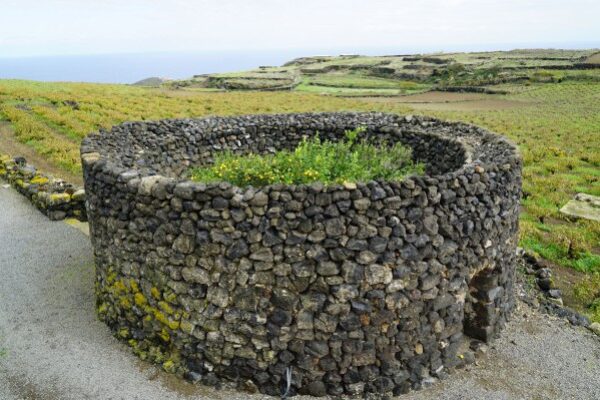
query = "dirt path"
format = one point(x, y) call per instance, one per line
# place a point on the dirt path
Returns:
point(11, 146)
point(450, 101)
point(52, 347)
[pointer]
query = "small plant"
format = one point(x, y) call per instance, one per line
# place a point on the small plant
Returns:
point(314, 160)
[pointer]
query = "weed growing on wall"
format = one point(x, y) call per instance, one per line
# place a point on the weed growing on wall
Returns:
point(314, 160)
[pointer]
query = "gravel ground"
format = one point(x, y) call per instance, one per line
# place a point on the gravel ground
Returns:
point(53, 348)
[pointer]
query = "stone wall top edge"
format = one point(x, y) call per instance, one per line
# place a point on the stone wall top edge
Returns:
point(93, 157)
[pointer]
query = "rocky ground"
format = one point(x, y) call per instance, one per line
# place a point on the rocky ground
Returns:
point(53, 348)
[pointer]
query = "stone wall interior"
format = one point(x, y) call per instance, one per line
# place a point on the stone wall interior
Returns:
point(312, 289)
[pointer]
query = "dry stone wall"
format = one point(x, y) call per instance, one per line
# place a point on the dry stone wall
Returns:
point(55, 198)
point(318, 289)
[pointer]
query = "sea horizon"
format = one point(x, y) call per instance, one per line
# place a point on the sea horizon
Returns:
point(128, 68)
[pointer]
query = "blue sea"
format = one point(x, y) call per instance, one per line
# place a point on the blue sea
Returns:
point(132, 67)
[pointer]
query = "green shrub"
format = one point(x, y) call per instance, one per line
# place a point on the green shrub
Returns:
point(314, 160)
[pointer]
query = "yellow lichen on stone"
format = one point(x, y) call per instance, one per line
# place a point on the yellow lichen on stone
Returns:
point(125, 303)
point(165, 307)
point(160, 317)
point(140, 300)
point(171, 298)
point(169, 366)
point(112, 276)
point(134, 286)
point(164, 335)
point(117, 298)
point(60, 197)
point(155, 293)
point(39, 180)
point(119, 287)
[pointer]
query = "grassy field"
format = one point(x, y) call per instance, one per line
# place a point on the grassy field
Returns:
point(53, 117)
point(553, 115)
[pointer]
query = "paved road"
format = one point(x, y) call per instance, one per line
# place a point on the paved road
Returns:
point(53, 348)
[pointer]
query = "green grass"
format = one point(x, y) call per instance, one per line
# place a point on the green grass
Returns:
point(585, 262)
point(587, 292)
point(54, 130)
point(347, 92)
point(314, 160)
point(363, 82)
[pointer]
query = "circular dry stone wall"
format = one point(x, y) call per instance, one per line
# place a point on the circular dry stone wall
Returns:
point(312, 289)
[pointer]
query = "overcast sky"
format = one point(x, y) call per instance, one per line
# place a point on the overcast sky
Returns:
point(57, 27)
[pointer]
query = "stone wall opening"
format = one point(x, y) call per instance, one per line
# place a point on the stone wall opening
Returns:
point(352, 288)
point(481, 308)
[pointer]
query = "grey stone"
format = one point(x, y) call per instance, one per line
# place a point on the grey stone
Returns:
point(327, 268)
point(260, 199)
point(352, 272)
point(335, 227)
point(362, 204)
point(263, 254)
point(366, 257)
point(345, 293)
point(197, 275)
point(304, 320)
point(378, 244)
point(238, 249)
point(356, 244)
point(218, 296)
point(184, 244)
point(378, 274)
point(315, 388)
point(429, 282)
point(430, 225)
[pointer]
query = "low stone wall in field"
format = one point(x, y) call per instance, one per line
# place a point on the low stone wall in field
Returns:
point(55, 198)
point(318, 289)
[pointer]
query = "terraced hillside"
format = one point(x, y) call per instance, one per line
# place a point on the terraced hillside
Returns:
point(403, 74)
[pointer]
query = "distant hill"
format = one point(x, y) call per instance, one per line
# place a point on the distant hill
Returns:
point(351, 74)
point(594, 59)
point(152, 81)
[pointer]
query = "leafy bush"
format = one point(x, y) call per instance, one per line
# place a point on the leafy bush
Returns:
point(314, 160)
